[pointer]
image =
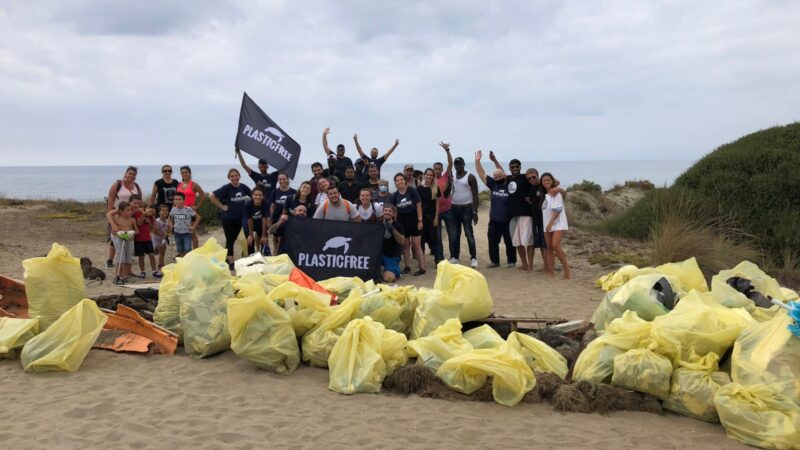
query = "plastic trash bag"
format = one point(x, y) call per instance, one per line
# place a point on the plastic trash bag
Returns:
point(538, 355)
point(685, 276)
point(511, 376)
point(53, 284)
point(694, 385)
point(204, 287)
point(701, 324)
point(759, 415)
point(636, 295)
point(393, 306)
point(768, 353)
point(434, 308)
point(467, 286)
point(484, 336)
point(318, 343)
point(441, 344)
point(363, 356)
point(341, 286)
point(14, 333)
point(262, 333)
point(596, 361)
point(279, 265)
point(643, 370)
point(168, 309)
point(305, 307)
point(65, 344)
point(251, 264)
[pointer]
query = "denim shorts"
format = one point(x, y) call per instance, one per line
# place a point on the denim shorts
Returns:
point(183, 242)
point(391, 264)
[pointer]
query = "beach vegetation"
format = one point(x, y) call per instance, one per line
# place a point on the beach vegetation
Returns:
point(619, 258)
point(587, 186)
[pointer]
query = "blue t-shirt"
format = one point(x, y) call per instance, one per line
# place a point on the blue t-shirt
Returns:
point(406, 203)
point(279, 199)
point(269, 181)
point(257, 213)
point(498, 209)
point(234, 198)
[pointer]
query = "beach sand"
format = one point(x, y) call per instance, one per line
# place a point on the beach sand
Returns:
point(134, 401)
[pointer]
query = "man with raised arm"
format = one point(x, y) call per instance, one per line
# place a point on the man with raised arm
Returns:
point(342, 162)
point(373, 154)
point(498, 214)
point(464, 211)
point(444, 180)
point(261, 178)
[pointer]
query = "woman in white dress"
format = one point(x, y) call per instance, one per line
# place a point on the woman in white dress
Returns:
point(555, 219)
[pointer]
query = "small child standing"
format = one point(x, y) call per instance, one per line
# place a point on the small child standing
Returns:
point(123, 229)
point(159, 236)
point(182, 222)
point(141, 242)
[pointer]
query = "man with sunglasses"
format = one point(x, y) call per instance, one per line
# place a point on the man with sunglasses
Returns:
point(164, 188)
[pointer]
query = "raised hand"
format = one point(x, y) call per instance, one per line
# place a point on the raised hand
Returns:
point(355, 136)
point(445, 146)
point(397, 142)
point(326, 130)
point(491, 156)
point(478, 155)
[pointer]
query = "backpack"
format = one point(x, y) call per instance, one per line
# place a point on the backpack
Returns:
point(325, 207)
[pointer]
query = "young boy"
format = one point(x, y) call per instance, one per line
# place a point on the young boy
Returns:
point(159, 235)
point(182, 222)
point(123, 229)
point(141, 242)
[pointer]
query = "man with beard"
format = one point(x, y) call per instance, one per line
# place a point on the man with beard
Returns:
point(373, 154)
point(349, 188)
point(498, 214)
point(520, 212)
point(464, 211)
point(261, 178)
point(316, 170)
point(342, 162)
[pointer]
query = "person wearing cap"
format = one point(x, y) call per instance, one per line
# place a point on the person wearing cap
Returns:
point(408, 172)
point(342, 162)
point(329, 173)
point(464, 212)
point(261, 178)
point(362, 176)
point(373, 154)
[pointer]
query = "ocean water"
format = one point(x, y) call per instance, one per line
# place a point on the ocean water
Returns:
point(91, 183)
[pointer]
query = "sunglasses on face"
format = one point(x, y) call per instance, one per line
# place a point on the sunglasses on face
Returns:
point(514, 167)
point(166, 171)
point(532, 177)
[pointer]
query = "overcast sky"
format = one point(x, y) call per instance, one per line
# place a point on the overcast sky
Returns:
point(141, 82)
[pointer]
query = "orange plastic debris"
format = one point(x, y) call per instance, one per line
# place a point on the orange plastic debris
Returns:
point(300, 278)
point(13, 301)
point(128, 320)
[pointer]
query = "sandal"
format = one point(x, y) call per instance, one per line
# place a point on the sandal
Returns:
point(407, 270)
point(420, 272)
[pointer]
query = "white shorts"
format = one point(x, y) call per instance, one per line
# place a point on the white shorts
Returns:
point(521, 228)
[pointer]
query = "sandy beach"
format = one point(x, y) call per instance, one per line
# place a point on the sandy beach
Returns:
point(133, 401)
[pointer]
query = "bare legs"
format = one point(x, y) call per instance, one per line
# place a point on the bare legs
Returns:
point(554, 251)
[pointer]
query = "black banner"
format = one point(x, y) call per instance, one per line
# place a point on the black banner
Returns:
point(261, 137)
point(331, 248)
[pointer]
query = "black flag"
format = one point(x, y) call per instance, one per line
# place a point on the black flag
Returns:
point(331, 248)
point(261, 137)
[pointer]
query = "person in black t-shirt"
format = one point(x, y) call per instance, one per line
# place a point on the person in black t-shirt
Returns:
point(429, 195)
point(261, 178)
point(164, 188)
point(521, 213)
point(349, 188)
point(361, 174)
point(254, 221)
point(392, 249)
point(373, 154)
point(342, 162)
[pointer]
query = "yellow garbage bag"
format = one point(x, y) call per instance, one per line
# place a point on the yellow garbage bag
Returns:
point(596, 361)
point(768, 353)
point(204, 287)
point(14, 333)
point(759, 415)
point(467, 286)
point(318, 343)
point(65, 344)
point(306, 307)
point(211, 249)
point(168, 309)
point(53, 284)
point(643, 370)
point(635, 295)
point(484, 336)
point(617, 278)
point(341, 286)
point(694, 385)
point(441, 344)
point(538, 355)
point(262, 333)
point(511, 376)
point(278, 265)
point(434, 308)
point(700, 323)
point(363, 356)
point(393, 306)
point(762, 282)
point(684, 276)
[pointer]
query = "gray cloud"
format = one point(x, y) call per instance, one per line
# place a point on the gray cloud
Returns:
point(88, 82)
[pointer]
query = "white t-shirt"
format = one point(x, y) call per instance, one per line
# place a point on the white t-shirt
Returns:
point(366, 214)
point(550, 203)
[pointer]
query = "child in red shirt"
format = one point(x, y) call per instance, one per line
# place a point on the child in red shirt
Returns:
point(142, 244)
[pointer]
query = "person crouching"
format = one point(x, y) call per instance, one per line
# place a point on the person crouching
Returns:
point(392, 249)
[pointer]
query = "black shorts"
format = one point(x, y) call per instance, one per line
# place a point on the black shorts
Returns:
point(143, 248)
point(409, 223)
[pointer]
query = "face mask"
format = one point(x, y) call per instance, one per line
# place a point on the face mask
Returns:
point(383, 188)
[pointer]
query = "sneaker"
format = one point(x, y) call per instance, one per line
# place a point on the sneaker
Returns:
point(406, 270)
point(157, 274)
point(473, 263)
point(492, 266)
point(142, 275)
point(109, 264)
point(419, 272)
point(453, 260)
point(512, 265)
point(119, 281)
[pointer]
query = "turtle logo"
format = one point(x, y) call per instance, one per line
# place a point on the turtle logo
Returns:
point(275, 132)
point(338, 241)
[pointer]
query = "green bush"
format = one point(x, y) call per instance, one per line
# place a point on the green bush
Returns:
point(586, 186)
point(210, 215)
point(753, 182)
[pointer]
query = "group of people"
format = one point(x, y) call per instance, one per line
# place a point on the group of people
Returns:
point(526, 211)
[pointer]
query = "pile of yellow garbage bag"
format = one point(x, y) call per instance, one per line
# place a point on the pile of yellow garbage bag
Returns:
point(53, 284)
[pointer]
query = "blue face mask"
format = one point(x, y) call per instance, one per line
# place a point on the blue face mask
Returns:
point(383, 188)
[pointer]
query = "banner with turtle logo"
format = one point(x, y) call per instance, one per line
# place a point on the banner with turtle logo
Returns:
point(331, 248)
point(261, 137)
